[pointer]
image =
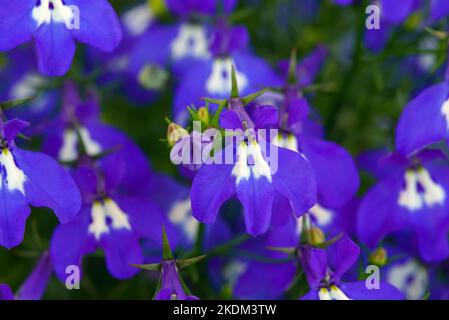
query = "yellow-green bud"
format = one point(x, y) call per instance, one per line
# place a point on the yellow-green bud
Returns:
point(316, 236)
point(157, 6)
point(379, 257)
point(175, 132)
point(203, 114)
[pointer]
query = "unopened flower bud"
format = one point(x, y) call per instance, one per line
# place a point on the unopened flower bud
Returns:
point(379, 257)
point(203, 114)
point(316, 236)
point(175, 132)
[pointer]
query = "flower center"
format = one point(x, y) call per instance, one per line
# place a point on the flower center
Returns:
point(420, 190)
point(138, 19)
point(181, 215)
point(107, 214)
point(11, 176)
point(410, 277)
point(46, 11)
point(332, 293)
point(288, 142)
point(69, 149)
point(190, 41)
point(220, 82)
point(320, 215)
point(250, 162)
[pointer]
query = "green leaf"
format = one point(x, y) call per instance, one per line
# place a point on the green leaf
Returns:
point(213, 101)
point(151, 267)
point(329, 242)
point(188, 262)
point(292, 68)
point(442, 35)
point(216, 117)
point(234, 88)
point(167, 254)
point(288, 250)
point(249, 98)
point(193, 114)
point(15, 103)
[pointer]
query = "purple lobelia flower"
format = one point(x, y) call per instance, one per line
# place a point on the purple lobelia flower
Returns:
point(21, 80)
point(110, 219)
point(79, 121)
point(116, 65)
point(253, 169)
point(411, 198)
point(55, 25)
point(211, 77)
point(179, 45)
point(34, 286)
point(324, 269)
point(170, 286)
point(425, 120)
point(30, 179)
point(409, 275)
point(174, 200)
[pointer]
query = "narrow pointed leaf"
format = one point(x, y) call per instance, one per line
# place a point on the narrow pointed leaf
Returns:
point(216, 117)
point(234, 89)
point(151, 267)
point(214, 101)
point(14, 103)
point(252, 97)
point(292, 68)
point(288, 250)
point(167, 254)
point(188, 262)
point(329, 242)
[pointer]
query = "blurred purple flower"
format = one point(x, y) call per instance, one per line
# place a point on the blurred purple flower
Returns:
point(30, 178)
point(413, 198)
point(52, 25)
point(110, 219)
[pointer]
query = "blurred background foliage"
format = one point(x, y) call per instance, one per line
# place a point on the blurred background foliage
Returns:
point(359, 96)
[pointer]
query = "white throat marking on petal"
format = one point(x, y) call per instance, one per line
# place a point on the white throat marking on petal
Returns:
point(190, 41)
point(137, 19)
point(322, 215)
point(337, 294)
point(69, 149)
point(15, 178)
point(220, 82)
point(260, 168)
point(53, 10)
point(399, 275)
point(181, 215)
point(289, 142)
point(412, 199)
point(107, 209)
